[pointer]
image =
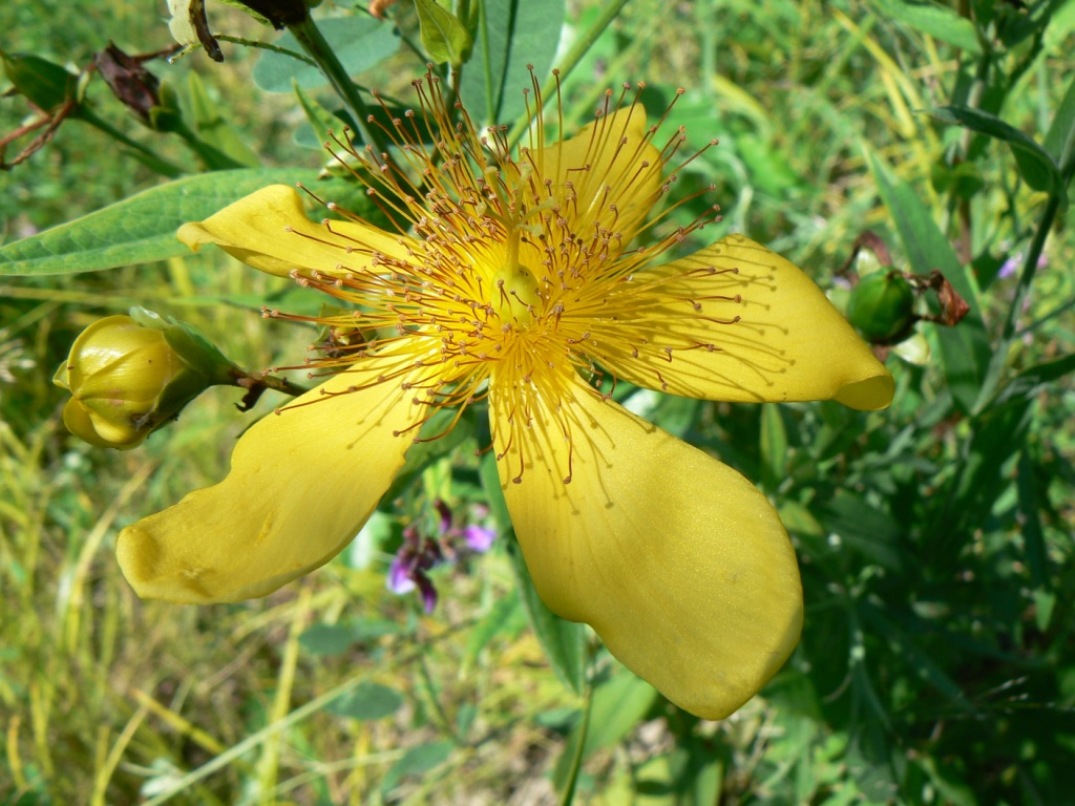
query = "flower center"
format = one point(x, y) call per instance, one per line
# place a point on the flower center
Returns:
point(515, 293)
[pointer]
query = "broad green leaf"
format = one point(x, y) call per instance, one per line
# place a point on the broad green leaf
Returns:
point(1036, 166)
point(139, 229)
point(933, 19)
point(965, 350)
point(359, 42)
point(327, 639)
point(511, 35)
point(367, 701)
point(444, 37)
point(419, 759)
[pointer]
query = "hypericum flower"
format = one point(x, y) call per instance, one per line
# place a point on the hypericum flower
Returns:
point(515, 280)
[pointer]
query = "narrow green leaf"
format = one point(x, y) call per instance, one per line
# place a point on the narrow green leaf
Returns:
point(965, 349)
point(619, 704)
point(359, 42)
point(564, 642)
point(1037, 555)
point(506, 617)
point(1060, 141)
point(774, 447)
point(214, 128)
point(444, 37)
point(1030, 382)
point(139, 229)
point(321, 122)
point(1036, 166)
point(864, 529)
point(933, 19)
point(516, 34)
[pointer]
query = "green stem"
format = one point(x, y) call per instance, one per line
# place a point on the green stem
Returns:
point(315, 45)
point(569, 63)
point(1026, 278)
point(164, 166)
point(567, 797)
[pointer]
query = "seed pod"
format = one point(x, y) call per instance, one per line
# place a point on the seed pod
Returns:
point(881, 307)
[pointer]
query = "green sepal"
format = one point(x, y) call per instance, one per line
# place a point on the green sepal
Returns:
point(43, 83)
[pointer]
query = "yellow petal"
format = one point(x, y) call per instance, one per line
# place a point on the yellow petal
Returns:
point(606, 177)
point(677, 561)
point(302, 483)
point(738, 322)
point(269, 230)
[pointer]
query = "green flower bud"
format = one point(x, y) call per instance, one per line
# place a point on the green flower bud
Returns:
point(128, 376)
point(881, 307)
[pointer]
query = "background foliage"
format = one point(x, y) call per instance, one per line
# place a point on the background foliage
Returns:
point(935, 538)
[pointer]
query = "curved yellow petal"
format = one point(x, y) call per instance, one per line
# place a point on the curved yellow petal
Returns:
point(677, 561)
point(269, 230)
point(606, 178)
point(302, 483)
point(737, 322)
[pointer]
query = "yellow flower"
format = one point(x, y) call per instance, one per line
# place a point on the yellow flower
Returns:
point(516, 281)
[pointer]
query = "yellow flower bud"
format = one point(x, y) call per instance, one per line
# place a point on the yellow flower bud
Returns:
point(125, 380)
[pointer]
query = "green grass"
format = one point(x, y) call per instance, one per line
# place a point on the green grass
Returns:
point(936, 664)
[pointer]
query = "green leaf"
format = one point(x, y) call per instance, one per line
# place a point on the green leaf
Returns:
point(45, 84)
point(1030, 382)
point(444, 37)
point(564, 642)
point(419, 759)
point(940, 22)
point(139, 229)
point(1060, 141)
point(1036, 166)
point(506, 617)
point(865, 529)
point(774, 447)
point(214, 128)
point(327, 639)
point(965, 349)
point(619, 704)
point(512, 34)
point(359, 42)
point(367, 701)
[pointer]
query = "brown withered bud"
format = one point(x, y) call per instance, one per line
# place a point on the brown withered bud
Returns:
point(953, 306)
point(129, 80)
point(281, 13)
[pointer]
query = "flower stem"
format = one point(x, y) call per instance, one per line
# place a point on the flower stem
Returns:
point(570, 62)
point(315, 45)
point(256, 385)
